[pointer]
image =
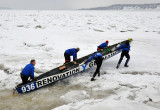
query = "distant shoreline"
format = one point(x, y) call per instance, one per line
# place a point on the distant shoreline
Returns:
point(127, 6)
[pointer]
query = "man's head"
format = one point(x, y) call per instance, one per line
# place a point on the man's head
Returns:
point(77, 49)
point(33, 62)
point(129, 39)
point(107, 41)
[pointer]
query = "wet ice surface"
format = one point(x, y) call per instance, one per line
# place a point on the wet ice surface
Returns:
point(44, 36)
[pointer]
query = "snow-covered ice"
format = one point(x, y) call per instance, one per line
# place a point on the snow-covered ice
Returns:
point(45, 35)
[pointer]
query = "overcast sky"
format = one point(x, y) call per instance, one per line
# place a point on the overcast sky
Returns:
point(66, 4)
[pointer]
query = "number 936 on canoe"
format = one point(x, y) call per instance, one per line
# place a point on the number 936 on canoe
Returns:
point(28, 87)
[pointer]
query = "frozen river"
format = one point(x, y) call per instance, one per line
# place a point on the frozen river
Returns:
point(45, 35)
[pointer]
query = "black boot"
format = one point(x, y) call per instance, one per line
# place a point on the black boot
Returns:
point(117, 66)
point(92, 79)
point(126, 65)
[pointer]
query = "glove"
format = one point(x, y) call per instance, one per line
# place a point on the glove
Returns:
point(35, 78)
point(117, 49)
point(84, 62)
point(75, 62)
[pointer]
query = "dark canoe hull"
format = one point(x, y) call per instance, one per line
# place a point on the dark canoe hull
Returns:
point(56, 74)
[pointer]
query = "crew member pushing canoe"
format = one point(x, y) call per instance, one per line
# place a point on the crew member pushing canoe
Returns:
point(98, 60)
point(27, 72)
point(102, 46)
point(125, 52)
point(71, 52)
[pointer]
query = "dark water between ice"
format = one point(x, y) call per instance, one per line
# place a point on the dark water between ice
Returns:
point(46, 98)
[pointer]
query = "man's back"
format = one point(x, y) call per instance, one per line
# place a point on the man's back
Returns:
point(71, 51)
point(103, 45)
point(28, 70)
point(125, 47)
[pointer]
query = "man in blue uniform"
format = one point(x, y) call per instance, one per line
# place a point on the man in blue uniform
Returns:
point(125, 52)
point(28, 71)
point(102, 46)
point(71, 52)
point(98, 60)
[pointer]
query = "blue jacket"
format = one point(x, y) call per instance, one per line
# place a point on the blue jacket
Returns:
point(95, 56)
point(103, 45)
point(124, 47)
point(28, 71)
point(72, 52)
